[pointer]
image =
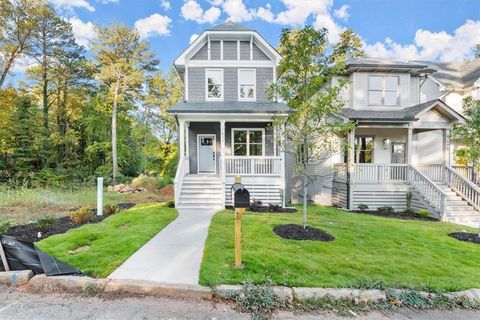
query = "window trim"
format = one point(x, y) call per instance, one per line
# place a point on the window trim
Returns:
point(383, 90)
point(222, 84)
point(232, 141)
point(355, 151)
point(254, 84)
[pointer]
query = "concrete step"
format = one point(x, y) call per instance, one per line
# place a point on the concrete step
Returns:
point(459, 208)
point(203, 191)
point(462, 213)
point(185, 200)
point(201, 178)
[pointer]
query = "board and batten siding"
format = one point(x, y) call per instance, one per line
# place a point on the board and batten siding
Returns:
point(429, 90)
point(196, 86)
point(230, 51)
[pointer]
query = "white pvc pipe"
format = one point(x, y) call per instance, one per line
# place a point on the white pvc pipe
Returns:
point(99, 196)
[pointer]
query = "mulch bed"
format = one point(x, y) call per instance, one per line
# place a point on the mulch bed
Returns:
point(298, 232)
point(465, 236)
point(398, 215)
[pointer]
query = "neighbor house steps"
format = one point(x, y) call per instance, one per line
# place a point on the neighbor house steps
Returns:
point(458, 210)
point(201, 191)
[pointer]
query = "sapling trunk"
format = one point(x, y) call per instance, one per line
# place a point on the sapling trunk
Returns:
point(304, 201)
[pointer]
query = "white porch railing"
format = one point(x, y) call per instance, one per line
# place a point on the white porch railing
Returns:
point(463, 186)
point(427, 189)
point(433, 171)
point(469, 173)
point(269, 166)
point(182, 170)
point(379, 172)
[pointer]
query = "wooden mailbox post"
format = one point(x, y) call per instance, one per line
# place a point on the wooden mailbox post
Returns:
point(241, 200)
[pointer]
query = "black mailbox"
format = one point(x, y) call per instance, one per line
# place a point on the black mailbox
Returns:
point(241, 196)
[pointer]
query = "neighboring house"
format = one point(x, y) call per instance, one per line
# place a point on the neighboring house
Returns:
point(225, 130)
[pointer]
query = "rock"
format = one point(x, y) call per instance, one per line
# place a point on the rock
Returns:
point(139, 287)
point(283, 294)
point(359, 296)
point(226, 291)
point(472, 294)
point(15, 278)
point(371, 295)
point(72, 284)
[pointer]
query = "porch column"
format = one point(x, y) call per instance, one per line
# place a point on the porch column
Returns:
point(282, 164)
point(222, 158)
point(410, 146)
point(445, 147)
point(274, 141)
point(181, 138)
point(187, 138)
point(350, 167)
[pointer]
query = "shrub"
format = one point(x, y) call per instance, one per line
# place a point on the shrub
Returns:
point(81, 216)
point(163, 182)
point(110, 209)
point(4, 226)
point(170, 204)
point(385, 209)
point(46, 223)
point(424, 213)
point(146, 182)
point(259, 300)
point(362, 207)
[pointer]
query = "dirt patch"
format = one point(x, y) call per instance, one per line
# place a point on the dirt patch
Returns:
point(79, 250)
point(298, 232)
point(167, 192)
point(398, 215)
point(465, 236)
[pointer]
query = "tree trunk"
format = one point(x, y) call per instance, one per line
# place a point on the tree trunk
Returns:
point(305, 201)
point(114, 133)
point(6, 69)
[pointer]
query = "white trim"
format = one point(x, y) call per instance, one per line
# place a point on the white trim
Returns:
point(206, 85)
point(232, 142)
point(251, 47)
point(238, 49)
point(186, 82)
point(254, 85)
point(231, 63)
point(214, 152)
point(209, 48)
point(221, 49)
point(230, 117)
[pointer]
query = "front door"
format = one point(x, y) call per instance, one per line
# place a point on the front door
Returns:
point(206, 153)
point(398, 152)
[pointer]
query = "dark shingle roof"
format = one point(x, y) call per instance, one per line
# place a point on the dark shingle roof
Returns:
point(405, 114)
point(373, 62)
point(229, 107)
point(229, 26)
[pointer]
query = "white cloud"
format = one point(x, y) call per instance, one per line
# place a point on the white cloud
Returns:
point(342, 12)
point(216, 3)
point(84, 31)
point(265, 13)
point(325, 20)
point(155, 24)
point(191, 10)
point(193, 37)
point(429, 45)
point(108, 1)
point(165, 5)
point(22, 64)
point(237, 11)
point(69, 5)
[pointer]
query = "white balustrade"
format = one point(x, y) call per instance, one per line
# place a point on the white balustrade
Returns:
point(253, 166)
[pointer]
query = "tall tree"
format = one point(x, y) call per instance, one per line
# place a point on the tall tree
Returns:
point(312, 128)
point(124, 61)
point(468, 133)
point(349, 46)
point(18, 19)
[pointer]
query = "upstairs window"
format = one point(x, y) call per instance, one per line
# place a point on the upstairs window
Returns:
point(383, 91)
point(246, 84)
point(214, 84)
point(248, 142)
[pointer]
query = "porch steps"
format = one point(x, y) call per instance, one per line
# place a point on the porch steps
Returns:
point(201, 192)
point(458, 210)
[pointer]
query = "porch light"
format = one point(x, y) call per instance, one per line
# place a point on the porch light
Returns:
point(386, 143)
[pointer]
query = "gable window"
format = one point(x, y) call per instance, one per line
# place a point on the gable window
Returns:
point(364, 149)
point(248, 142)
point(246, 84)
point(383, 91)
point(214, 84)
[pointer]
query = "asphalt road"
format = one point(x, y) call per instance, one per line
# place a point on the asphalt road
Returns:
point(18, 305)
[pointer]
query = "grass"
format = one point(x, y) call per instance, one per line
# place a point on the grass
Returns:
point(368, 251)
point(25, 205)
point(98, 249)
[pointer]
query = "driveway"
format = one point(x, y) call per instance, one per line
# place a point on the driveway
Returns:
point(174, 255)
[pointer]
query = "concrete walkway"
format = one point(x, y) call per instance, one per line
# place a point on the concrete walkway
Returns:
point(174, 255)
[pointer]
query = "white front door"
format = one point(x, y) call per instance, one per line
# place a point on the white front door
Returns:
point(206, 153)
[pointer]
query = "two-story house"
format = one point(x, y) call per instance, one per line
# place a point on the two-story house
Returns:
point(225, 120)
point(226, 129)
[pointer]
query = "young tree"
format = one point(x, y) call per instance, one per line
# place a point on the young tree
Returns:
point(468, 133)
point(123, 61)
point(349, 46)
point(477, 51)
point(306, 74)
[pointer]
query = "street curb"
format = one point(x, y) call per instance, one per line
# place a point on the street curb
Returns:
point(87, 285)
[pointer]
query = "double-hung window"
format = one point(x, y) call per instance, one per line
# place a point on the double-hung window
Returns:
point(247, 85)
point(383, 91)
point(248, 142)
point(214, 84)
point(364, 147)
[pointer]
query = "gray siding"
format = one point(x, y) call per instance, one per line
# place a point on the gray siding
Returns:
point(199, 128)
point(244, 50)
point(258, 54)
point(196, 83)
point(215, 53)
point(201, 54)
point(230, 50)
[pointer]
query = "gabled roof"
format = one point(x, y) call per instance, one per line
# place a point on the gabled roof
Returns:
point(372, 64)
point(229, 107)
point(406, 114)
point(229, 26)
point(456, 75)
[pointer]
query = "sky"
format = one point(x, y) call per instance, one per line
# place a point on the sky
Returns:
point(441, 30)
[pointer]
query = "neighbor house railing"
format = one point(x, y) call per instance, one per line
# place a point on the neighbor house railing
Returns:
point(253, 165)
point(465, 188)
point(427, 189)
point(340, 171)
point(182, 170)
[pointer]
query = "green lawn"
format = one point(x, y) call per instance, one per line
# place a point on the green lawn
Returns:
point(98, 249)
point(367, 250)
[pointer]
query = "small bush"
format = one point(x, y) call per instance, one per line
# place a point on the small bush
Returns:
point(256, 205)
point(4, 226)
point(46, 223)
point(151, 183)
point(110, 209)
point(410, 211)
point(81, 216)
point(424, 213)
point(362, 207)
point(163, 182)
point(170, 204)
point(385, 209)
point(258, 300)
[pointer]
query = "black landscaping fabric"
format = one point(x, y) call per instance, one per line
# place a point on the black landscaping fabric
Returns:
point(22, 255)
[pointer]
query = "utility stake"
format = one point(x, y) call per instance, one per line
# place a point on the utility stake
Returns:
point(238, 237)
point(4, 257)
point(99, 196)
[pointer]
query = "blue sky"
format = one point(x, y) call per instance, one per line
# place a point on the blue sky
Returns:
point(395, 29)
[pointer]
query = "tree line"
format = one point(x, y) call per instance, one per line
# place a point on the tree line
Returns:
point(72, 117)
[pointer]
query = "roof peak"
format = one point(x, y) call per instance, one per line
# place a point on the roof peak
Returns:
point(229, 25)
